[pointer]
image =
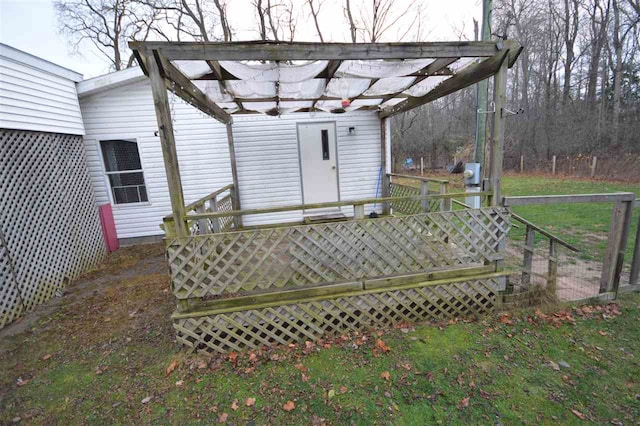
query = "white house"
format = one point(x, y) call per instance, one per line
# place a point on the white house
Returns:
point(273, 170)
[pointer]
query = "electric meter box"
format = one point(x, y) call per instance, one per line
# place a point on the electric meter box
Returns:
point(472, 174)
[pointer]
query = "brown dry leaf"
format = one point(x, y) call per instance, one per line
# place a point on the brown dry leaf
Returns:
point(300, 367)
point(602, 333)
point(382, 346)
point(327, 346)
point(343, 389)
point(233, 357)
point(305, 378)
point(179, 383)
point(21, 382)
point(234, 405)
point(464, 403)
point(46, 357)
point(504, 318)
point(170, 368)
point(249, 370)
point(308, 344)
point(222, 418)
point(289, 406)
point(407, 366)
point(253, 357)
point(250, 402)
point(385, 375)
point(579, 415)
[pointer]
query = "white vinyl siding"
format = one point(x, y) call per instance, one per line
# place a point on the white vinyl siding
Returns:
point(127, 112)
point(34, 99)
point(269, 166)
point(266, 155)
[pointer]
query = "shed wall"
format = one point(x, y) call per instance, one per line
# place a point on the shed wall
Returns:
point(35, 99)
point(266, 154)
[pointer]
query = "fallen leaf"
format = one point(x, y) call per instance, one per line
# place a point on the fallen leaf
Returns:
point(464, 403)
point(179, 383)
point(554, 365)
point(146, 400)
point(289, 406)
point(46, 357)
point(21, 382)
point(385, 375)
point(602, 333)
point(234, 405)
point(579, 415)
point(343, 389)
point(170, 368)
point(382, 346)
point(222, 418)
point(304, 377)
point(331, 393)
point(233, 357)
point(250, 402)
point(253, 357)
point(300, 367)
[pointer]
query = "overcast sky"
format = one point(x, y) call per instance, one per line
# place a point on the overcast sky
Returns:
point(30, 25)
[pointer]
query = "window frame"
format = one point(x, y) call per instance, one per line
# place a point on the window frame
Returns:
point(106, 173)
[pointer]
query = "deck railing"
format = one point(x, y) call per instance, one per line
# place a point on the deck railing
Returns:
point(405, 185)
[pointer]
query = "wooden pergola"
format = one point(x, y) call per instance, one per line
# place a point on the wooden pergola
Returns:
point(456, 64)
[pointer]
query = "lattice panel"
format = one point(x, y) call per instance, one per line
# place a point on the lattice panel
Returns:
point(48, 217)
point(251, 329)
point(299, 256)
point(225, 205)
point(411, 207)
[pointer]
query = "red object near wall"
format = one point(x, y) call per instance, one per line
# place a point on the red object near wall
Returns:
point(108, 227)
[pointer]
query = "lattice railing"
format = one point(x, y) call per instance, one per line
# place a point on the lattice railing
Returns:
point(242, 329)
point(413, 186)
point(49, 224)
point(284, 257)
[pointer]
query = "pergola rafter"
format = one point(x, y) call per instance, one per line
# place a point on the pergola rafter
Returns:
point(158, 61)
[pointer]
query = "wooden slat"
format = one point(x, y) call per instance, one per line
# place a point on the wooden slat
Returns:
point(363, 201)
point(465, 78)
point(567, 199)
point(188, 91)
point(282, 51)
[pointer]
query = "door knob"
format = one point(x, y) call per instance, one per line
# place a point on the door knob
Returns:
point(333, 167)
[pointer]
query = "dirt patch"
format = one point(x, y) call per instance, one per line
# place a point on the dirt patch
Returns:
point(132, 282)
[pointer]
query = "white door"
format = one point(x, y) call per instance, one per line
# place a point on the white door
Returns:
point(318, 162)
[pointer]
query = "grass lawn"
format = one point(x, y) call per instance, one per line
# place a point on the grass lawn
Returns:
point(105, 354)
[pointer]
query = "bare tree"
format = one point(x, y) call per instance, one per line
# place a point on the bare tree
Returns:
point(315, 11)
point(353, 29)
point(106, 25)
point(571, 22)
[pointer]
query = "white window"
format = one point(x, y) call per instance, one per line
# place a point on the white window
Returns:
point(124, 170)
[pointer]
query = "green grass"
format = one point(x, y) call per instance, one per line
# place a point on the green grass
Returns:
point(584, 225)
point(502, 367)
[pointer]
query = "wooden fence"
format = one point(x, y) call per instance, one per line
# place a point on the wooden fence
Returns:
point(253, 287)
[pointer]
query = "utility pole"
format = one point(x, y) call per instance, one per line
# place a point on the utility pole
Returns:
point(482, 89)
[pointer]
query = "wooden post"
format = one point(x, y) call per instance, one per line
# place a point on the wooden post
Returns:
point(445, 203)
point(553, 165)
point(527, 261)
point(168, 143)
point(521, 163)
point(635, 263)
point(202, 223)
point(424, 190)
point(358, 211)
point(594, 161)
point(421, 166)
point(616, 245)
point(235, 194)
point(552, 279)
point(384, 177)
point(497, 142)
point(213, 206)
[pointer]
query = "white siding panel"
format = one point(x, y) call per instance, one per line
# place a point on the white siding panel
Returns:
point(34, 99)
point(127, 112)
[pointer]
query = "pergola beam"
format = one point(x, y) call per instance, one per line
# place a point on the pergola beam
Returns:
point(330, 70)
point(465, 78)
point(296, 51)
point(184, 88)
